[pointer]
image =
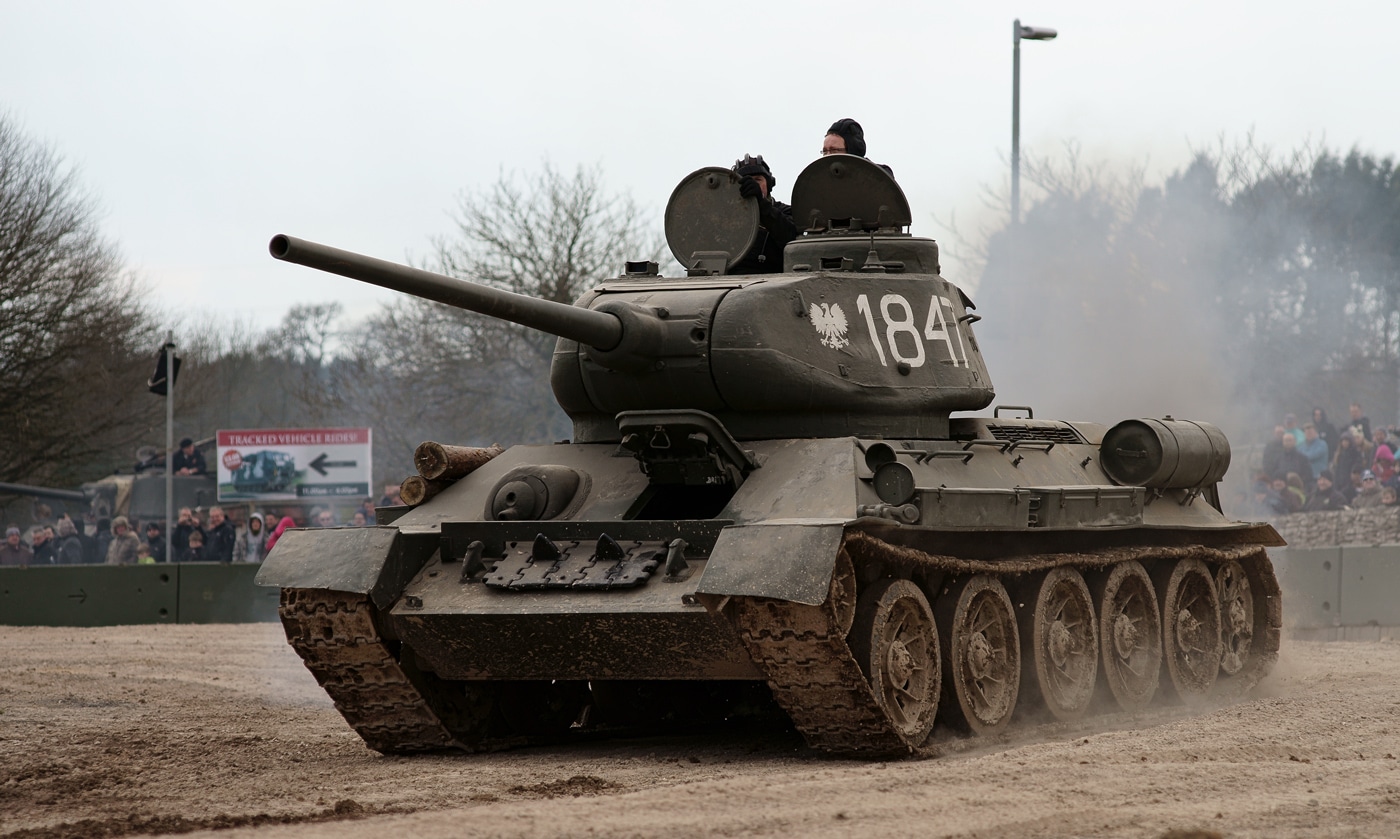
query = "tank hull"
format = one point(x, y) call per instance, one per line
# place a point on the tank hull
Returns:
point(463, 620)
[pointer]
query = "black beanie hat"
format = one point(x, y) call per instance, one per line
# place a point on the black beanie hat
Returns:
point(750, 166)
point(850, 131)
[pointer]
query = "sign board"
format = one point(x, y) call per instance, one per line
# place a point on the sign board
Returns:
point(282, 464)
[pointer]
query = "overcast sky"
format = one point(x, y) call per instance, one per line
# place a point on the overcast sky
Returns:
point(204, 128)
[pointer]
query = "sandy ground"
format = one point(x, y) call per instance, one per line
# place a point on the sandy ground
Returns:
point(220, 730)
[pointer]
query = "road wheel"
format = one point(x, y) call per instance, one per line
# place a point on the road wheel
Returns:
point(895, 641)
point(981, 654)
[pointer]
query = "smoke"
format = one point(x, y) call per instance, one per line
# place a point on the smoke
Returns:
point(1245, 285)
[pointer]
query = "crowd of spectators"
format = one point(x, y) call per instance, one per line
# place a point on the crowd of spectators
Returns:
point(1321, 466)
point(199, 536)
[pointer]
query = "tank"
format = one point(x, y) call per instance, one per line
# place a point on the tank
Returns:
point(139, 495)
point(771, 503)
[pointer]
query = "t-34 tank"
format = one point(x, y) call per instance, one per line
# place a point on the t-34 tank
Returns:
point(767, 495)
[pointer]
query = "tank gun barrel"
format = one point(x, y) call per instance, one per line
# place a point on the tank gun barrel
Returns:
point(42, 492)
point(601, 330)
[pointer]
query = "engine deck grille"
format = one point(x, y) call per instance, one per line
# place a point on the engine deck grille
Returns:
point(1034, 433)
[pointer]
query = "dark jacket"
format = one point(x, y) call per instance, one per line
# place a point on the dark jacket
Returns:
point(776, 228)
point(180, 539)
point(46, 554)
point(1294, 461)
point(70, 550)
point(1272, 451)
point(194, 462)
point(156, 546)
point(218, 542)
point(90, 549)
point(1347, 459)
point(1322, 501)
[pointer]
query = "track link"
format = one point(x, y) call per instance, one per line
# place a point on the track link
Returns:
point(389, 704)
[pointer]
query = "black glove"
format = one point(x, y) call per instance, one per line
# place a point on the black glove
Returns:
point(749, 188)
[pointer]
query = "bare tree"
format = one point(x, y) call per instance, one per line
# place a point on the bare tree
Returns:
point(419, 370)
point(75, 335)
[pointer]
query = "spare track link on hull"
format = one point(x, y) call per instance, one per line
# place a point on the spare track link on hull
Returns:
point(334, 632)
point(814, 676)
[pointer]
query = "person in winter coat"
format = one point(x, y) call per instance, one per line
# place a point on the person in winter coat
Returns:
point(194, 551)
point(775, 225)
point(1292, 460)
point(125, 546)
point(43, 547)
point(186, 524)
point(1348, 456)
point(1326, 430)
point(155, 541)
point(1370, 494)
point(252, 541)
point(1314, 449)
point(220, 538)
point(282, 527)
point(1325, 496)
point(14, 551)
point(69, 548)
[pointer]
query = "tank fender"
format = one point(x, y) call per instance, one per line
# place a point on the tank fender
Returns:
point(378, 561)
point(783, 559)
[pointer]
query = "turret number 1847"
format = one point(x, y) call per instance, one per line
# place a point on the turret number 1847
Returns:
point(905, 341)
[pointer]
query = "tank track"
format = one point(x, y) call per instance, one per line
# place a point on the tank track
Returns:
point(387, 701)
point(814, 675)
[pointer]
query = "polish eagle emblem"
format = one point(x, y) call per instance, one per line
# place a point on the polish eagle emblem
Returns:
point(830, 323)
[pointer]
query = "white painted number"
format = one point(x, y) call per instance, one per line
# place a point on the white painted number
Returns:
point(902, 325)
point(863, 304)
point(899, 320)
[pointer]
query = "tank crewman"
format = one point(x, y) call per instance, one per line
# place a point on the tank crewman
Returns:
point(845, 136)
point(188, 461)
point(775, 225)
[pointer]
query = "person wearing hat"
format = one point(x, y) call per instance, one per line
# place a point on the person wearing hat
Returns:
point(1370, 493)
point(1325, 496)
point(125, 546)
point(845, 136)
point(775, 225)
point(14, 551)
point(187, 460)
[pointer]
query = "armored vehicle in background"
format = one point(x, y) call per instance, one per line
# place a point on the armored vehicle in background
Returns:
point(140, 496)
point(768, 496)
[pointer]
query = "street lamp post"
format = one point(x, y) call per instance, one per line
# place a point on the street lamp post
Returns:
point(1018, 34)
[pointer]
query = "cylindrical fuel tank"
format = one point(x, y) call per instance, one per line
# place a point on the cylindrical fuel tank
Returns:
point(1165, 453)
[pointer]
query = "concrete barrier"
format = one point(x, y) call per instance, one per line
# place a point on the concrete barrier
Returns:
point(1341, 586)
point(112, 595)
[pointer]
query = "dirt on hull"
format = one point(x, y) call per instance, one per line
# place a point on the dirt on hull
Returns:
point(171, 729)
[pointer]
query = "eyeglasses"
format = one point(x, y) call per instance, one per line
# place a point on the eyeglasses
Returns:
point(826, 151)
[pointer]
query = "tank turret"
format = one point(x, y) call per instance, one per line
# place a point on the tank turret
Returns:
point(860, 336)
